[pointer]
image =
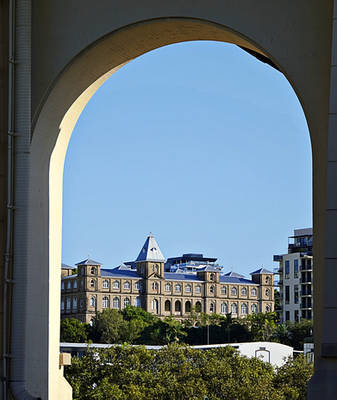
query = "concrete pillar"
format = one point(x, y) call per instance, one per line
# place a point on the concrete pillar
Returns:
point(323, 383)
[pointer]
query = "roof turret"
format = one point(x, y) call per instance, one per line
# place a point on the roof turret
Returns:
point(88, 261)
point(150, 251)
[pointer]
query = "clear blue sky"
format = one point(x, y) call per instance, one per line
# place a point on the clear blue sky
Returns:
point(200, 144)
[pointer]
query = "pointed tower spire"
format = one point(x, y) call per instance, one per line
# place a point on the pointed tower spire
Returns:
point(150, 251)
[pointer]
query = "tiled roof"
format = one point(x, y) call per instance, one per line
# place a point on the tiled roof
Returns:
point(150, 251)
point(88, 261)
point(65, 266)
point(181, 277)
point(119, 273)
point(261, 271)
point(231, 279)
point(69, 276)
point(234, 274)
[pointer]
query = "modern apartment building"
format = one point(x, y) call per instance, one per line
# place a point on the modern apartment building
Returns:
point(184, 283)
point(295, 277)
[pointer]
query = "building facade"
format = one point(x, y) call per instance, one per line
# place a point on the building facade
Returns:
point(185, 283)
point(296, 277)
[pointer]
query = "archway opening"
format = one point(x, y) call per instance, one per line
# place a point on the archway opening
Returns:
point(59, 115)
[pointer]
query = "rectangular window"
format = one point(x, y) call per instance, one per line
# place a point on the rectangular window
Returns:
point(295, 268)
point(287, 263)
point(287, 315)
point(296, 316)
point(296, 294)
point(287, 295)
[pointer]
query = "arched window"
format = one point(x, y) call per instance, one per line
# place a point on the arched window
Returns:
point(154, 286)
point(75, 284)
point(254, 308)
point(254, 292)
point(211, 277)
point(198, 289)
point(234, 291)
point(127, 285)
point(62, 304)
point(155, 268)
point(224, 308)
point(177, 306)
point(105, 284)
point(115, 285)
point(244, 309)
point(167, 287)
point(74, 303)
point(155, 306)
point(267, 280)
point(93, 270)
point(234, 308)
point(116, 303)
point(268, 309)
point(167, 305)
point(92, 302)
point(92, 283)
point(138, 302)
point(267, 292)
point(211, 307)
point(68, 304)
point(126, 302)
point(211, 289)
point(62, 285)
point(105, 302)
point(188, 288)
point(198, 306)
point(91, 322)
point(187, 307)
point(223, 290)
point(243, 291)
point(68, 285)
point(177, 287)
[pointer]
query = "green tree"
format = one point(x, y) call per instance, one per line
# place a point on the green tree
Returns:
point(74, 331)
point(177, 373)
point(298, 332)
point(292, 378)
point(262, 326)
point(109, 326)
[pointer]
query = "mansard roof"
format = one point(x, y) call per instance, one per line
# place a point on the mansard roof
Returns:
point(234, 274)
point(150, 251)
point(88, 261)
point(261, 271)
point(65, 266)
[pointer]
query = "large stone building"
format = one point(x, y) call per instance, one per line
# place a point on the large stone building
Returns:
point(186, 283)
point(296, 277)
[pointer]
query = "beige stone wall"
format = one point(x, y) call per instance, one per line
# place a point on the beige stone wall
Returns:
point(211, 295)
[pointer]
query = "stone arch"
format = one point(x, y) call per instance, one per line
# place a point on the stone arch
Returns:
point(63, 92)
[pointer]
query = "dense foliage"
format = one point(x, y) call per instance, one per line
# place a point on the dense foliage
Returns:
point(133, 325)
point(179, 373)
